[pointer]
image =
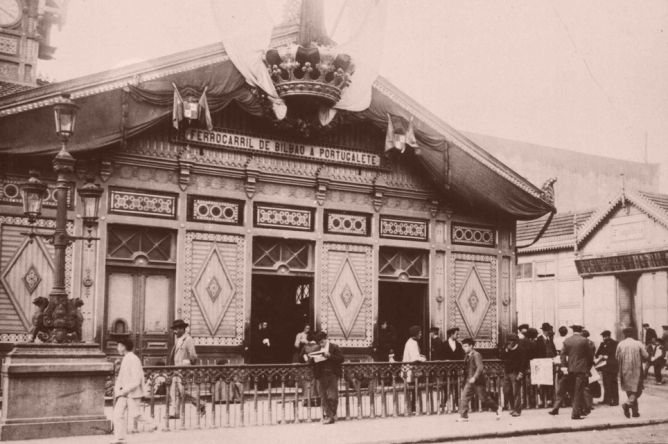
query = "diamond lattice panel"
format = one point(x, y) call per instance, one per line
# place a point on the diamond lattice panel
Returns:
point(213, 289)
point(29, 274)
point(347, 296)
point(473, 301)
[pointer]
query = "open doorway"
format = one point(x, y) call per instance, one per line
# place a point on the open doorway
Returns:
point(403, 305)
point(284, 303)
point(627, 286)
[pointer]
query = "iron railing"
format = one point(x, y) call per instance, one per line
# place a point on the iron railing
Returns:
point(248, 395)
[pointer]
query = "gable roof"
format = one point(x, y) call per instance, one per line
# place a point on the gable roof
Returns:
point(654, 205)
point(458, 167)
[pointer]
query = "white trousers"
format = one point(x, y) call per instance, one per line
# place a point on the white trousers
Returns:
point(133, 406)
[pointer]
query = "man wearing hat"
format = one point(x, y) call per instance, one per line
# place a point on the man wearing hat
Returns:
point(515, 366)
point(452, 349)
point(606, 355)
point(650, 334)
point(437, 353)
point(474, 376)
point(664, 336)
point(544, 343)
point(576, 360)
point(630, 356)
point(327, 372)
point(527, 340)
point(183, 353)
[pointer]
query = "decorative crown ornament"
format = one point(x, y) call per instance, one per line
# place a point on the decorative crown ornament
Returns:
point(316, 71)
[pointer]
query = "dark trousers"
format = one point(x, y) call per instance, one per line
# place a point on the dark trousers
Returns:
point(658, 366)
point(610, 387)
point(329, 394)
point(580, 380)
point(512, 391)
point(467, 394)
point(632, 400)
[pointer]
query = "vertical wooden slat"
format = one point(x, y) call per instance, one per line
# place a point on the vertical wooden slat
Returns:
point(283, 421)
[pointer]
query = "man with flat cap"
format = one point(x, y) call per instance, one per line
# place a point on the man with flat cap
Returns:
point(183, 353)
point(630, 355)
point(436, 348)
point(650, 334)
point(576, 359)
point(452, 349)
point(607, 352)
point(515, 366)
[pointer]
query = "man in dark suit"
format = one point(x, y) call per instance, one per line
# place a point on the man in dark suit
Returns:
point(437, 353)
point(577, 358)
point(650, 334)
point(474, 376)
point(452, 349)
point(606, 352)
point(327, 373)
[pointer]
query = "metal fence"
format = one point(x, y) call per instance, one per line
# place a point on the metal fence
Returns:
point(247, 395)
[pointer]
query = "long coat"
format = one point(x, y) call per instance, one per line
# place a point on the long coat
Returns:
point(630, 355)
point(577, 355)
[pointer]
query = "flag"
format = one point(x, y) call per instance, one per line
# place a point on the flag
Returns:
point(410, 135)
point(204, 113)
point(389, 137)
point(177, 111)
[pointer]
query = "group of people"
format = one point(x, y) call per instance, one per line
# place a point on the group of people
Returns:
point(656, 348)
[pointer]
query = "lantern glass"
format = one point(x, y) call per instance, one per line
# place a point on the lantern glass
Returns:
point(32, 194)
point(90, 195)
point(65, 112)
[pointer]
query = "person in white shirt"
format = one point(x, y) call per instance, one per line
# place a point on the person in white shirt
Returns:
point(412, 354)
point(183, 353)
point(129, 389)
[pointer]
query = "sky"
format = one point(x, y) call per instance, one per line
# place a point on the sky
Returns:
point(588, 76)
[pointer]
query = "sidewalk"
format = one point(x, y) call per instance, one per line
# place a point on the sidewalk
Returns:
point(426, 429)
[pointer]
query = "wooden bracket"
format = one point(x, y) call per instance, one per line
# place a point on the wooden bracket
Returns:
point(252, 175)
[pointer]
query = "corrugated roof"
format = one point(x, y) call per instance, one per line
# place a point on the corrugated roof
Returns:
point(7, 88)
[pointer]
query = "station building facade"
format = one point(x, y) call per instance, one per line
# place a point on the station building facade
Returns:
point(259, 221)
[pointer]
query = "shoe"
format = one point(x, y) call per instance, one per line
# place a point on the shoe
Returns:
point(636, 415)
point(462, 420)
point(577, 417)
point(626, 409)
point(328, 421)
point(553, 412)
point(515, 414)
point(152, 429)
point(498, 412)
point(202, 411)
point(174, 417)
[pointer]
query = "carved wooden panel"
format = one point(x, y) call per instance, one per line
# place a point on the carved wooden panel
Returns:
point(472, 298)
point(399, 228)
point(473, 235)
point(143, 203)
point(214, 288)
point(346, 308)
point(219, 211)
point(290, 218)
point(26, 271)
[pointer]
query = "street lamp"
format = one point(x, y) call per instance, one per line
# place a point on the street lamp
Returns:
point(60, 322)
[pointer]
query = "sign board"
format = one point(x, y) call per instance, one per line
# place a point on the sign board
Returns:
point(627, 262)
point(226, 139)
point(541, 372)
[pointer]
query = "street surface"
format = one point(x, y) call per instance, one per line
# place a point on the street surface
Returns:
point(657, 434)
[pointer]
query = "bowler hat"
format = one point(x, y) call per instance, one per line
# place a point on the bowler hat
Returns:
point(523, 327)
point(450, 331)
point(606, 333)
point(546, 326)
point(665, 327)
point(179, 323)
point(577, 328)
point(512, 337)
point(434, 330)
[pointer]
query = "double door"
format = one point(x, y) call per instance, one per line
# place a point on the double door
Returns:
point(140, 306)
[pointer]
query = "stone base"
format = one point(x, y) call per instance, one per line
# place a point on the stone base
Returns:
point(59, 429)
point(53, 391)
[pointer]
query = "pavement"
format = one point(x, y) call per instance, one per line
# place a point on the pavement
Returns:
point(423, 429)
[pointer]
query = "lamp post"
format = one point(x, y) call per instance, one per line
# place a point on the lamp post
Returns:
point(59, 323)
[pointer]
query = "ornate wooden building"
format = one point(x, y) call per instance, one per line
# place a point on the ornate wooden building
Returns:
point(260, 220)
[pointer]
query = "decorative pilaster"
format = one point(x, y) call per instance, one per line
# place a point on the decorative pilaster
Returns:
point(323, 179)
point(252, 174)
point(379, 189)
point(185, 167)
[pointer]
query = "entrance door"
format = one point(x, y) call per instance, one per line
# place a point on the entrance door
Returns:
point(403, 305)
point(626, 295)
point(284, 303)
point(139, 306)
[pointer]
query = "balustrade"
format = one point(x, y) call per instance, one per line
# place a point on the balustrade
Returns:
point(249, 395)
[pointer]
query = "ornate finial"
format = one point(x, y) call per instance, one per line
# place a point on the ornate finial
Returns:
point(548, 190)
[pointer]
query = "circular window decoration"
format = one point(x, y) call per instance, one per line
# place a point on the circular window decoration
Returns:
point(336, 223)
point(216, 211)
point(487, 237)
point(11, 191)
point(477, 236)
point(358, 225)
point(468, 235)
point(203, 210)
point(228, 212)
point(459, 233)
point(347, 224)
